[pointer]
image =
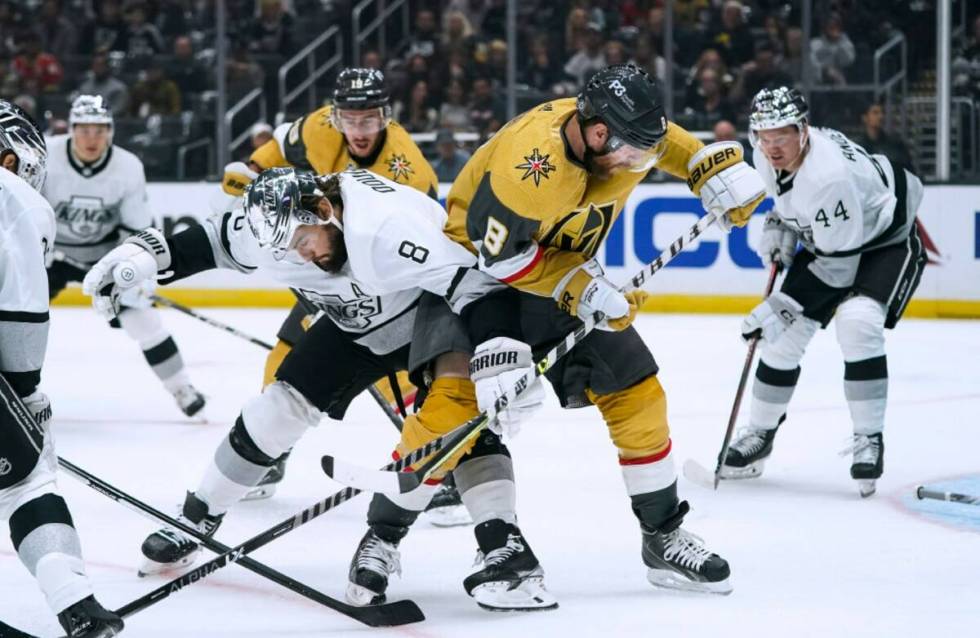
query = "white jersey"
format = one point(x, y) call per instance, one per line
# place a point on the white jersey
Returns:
point(27, 233)
point(396, 249)
point(841, 202)
point(96, 205)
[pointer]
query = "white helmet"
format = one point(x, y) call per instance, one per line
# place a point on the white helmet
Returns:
point(776, 108)
point(19, 134)
point(90, 109)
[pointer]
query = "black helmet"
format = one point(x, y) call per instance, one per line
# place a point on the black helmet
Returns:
point(625, 98)
point(360, 89)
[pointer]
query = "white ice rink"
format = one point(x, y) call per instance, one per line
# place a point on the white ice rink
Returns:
point(808, 556)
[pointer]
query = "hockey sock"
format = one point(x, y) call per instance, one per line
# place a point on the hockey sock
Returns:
point(143, 325)
point(486, 484)
point(389, 520)
point(771, 394)
point(866, 389)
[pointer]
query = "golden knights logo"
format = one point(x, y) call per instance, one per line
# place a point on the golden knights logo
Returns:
point(536, 166)
point(399, 167)
point(86, 217)
point(582, 230)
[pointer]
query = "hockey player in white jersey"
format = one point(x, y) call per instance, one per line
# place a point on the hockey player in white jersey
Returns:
point(98, 191)
point(40, 524)
point(371, 254)
point(861, 261)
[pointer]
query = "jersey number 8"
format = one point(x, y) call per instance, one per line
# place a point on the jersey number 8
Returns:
point(416, 253)
point(495, 237)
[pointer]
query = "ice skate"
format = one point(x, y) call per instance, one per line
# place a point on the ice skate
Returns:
point(168, 549)
point(88, 619)
point(189, 400)
point(266, 487)
point(677, 559)
point(374, 560)
point(446, 508)
point(747, 454)
point(511, 578)
point(868, 463)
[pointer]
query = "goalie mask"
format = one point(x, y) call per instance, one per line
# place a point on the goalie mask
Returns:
point(20, 136)
point(277, 203)
point(360, 102)
point(625, 98)
point(776, 108)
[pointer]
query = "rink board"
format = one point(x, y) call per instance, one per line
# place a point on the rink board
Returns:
point(718, 273)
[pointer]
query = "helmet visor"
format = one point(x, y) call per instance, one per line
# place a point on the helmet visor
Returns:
point(635, 159)
point(369, 122)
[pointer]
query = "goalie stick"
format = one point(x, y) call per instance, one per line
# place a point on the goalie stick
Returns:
point(389, 482)
point(694, 471)
point(922, 492)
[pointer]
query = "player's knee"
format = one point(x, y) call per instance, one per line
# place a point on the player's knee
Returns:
point(786, 352)
point(636, 417)
point(276, 419)
point(860, 325)
point(450, 403)
point(143, 325)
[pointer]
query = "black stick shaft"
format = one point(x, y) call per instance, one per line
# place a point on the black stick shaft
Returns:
point(742, 381)
point(164, 301)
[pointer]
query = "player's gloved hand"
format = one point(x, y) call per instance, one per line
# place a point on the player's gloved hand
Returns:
point(137, 259)
point(729, 188)
point(772, 317)
point(40, 408)
point(496, 366)
point(778, 242)
point(237, 176)
point(585, 290)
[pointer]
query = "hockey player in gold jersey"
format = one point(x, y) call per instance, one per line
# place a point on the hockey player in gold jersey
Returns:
point(535, 203)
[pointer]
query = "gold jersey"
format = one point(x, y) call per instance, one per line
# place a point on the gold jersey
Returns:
point(312, 143)
point(531, 211)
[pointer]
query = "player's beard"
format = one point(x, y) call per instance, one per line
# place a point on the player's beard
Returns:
point(334, 262)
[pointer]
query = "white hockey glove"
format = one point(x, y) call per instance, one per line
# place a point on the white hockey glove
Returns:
point(496, 366)
point(778, 242)
point(729, 188)
point(40, 407)
point(136, 260)
point(772, 317)
point(237, 176)
point(585, 290)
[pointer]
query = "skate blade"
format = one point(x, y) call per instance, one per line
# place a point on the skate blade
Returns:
point(362, 596)
point(866, 487)
point(449, 516)
point(152, 568)
point(750, 471)
point(668, 579)
point(260, 492)
point(529, 595)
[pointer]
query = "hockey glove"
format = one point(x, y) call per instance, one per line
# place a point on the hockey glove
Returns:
point(237, 176)
point(584, 291)
point(729, 188)
point(778, 242)
point(772, 317)
point(40, 408)
point(496, 366)
point(136, 260)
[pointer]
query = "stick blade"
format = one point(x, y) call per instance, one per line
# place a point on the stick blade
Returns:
point(402, 612)
point(699, 474)
point(361, 478)
point(6, 631)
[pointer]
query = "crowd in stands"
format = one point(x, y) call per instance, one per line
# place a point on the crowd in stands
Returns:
point(154, 59)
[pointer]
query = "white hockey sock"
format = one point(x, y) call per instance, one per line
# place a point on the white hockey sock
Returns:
point(486, 485)
point(63, 580)
point(219, 491)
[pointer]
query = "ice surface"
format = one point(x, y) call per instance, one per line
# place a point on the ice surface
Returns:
point(808, 556)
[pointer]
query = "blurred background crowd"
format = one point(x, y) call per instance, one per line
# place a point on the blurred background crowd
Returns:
point(868, 66)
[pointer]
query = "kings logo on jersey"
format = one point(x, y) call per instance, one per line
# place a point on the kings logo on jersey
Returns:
point(86, 217)
point(582, 230)
point(355, 313)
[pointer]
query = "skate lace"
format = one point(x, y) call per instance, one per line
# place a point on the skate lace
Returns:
point(380, 557)
point(513, 547)
point(686, 549)
point(866, 449)
point(749, 441)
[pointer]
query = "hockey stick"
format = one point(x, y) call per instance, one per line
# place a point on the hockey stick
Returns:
point(964, 499)
point(451, 442)
point(694, 471)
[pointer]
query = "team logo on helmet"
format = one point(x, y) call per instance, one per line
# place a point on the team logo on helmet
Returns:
point(5, 466)
point(536, 166)
point(399, 166)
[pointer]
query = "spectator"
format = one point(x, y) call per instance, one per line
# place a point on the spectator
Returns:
point(451, 158)
point(371, 59)
point(424, 39)
point(58, 34)
point(966, 65)
point(486, 110)
point(457, 33)
point(260, 134)
point(186, 71)
point(590, 59)
point(494, 24)
point(457, 67)
point(453, 112)
point(733, 38)
point(724, 131)
point(709, 59)
point(775, 33)
point(270, 32)
point(647, 58)
point(760, 73)
point(99, 81)
point(29, 105)
point(874, 139)
point(242, 72)
point(496, 66)
point(107, 32)
point(474, 10)
point(174, 18)
point(709, 104)
point(615, 53)
point(141, 38)
point(154, 94)
point(832, 52)
point(11, 24)
point(416, 114)
point(792, 61)
point(543, 73)
point(576, 30)
point(37, 71)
